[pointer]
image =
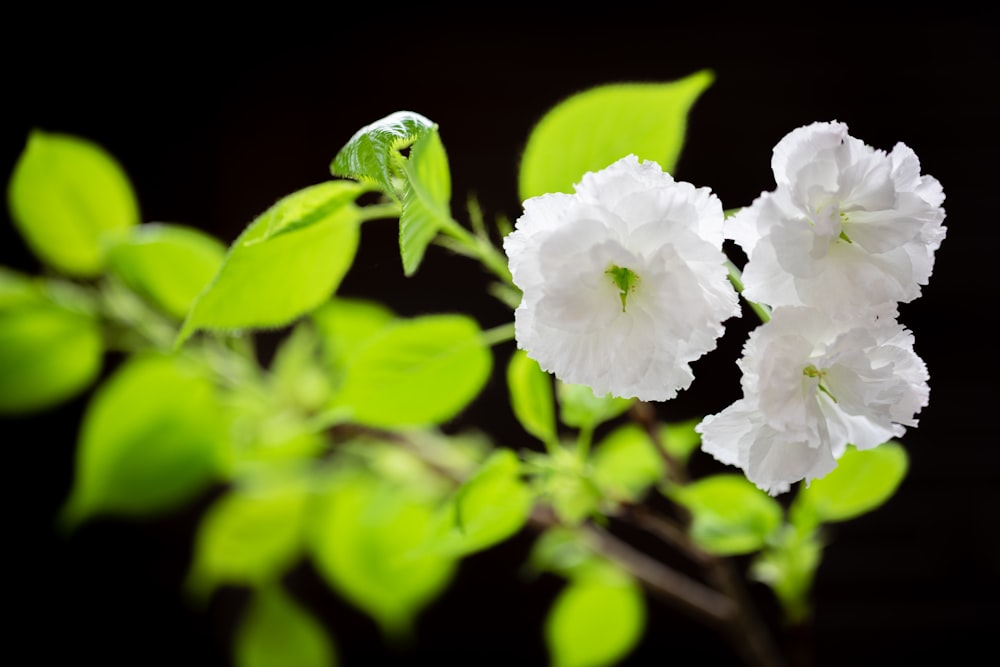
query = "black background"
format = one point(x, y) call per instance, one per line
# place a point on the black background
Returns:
point(214, 121)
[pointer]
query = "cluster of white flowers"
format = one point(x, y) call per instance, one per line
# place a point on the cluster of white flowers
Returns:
point(625, 284)
point(848, 234)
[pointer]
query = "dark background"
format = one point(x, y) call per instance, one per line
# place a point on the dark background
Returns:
point(214, 122)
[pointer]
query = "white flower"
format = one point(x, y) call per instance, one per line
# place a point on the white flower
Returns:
point(848, 227)
point(811, 385)
point(624, 281)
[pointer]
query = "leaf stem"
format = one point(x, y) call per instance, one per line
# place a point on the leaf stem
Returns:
point(736, 278)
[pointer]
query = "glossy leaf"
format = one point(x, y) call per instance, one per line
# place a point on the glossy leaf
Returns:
point(590, 130)
point(862, 481)
point(249, 537)
point(426, 199)
point(595, 621)
point(579, 407)
point(153, 436)
point(48, 352)
point(530, 390)
point(66, 196)
point(168, 264)
point(626, 464)
point(286, 263)
point(729, 514)
point(277, 631)
point(416, 372)
point(487, 509)
point(372, 154)
point(369, 542)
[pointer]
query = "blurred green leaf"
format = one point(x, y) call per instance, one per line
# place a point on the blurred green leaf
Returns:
point(277, 632)
point(168, 264)
point(426, 199)
point(152, 437)
point(490, 507)
point(344, 326)
point(286, 263)
point(581, 408)
point(788, 566)
point(596, 620)
point(249, 537)
point(66, 195)
point(530, 391)
point(416, 372)
point(680, 439)
point(48, 352)
point(591, 129)
point(372, 154)
point(370, 543)
point(296, 371)
point(862, 481)
point(729, 514)
point(625, 464)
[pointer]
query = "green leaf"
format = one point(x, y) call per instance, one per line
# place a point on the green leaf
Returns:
point(66, 195)
point(581, 408)
point(625, 464)
point(590, 130)
point(680, 439)
point(286, 263)
point(369, 542)
point(168, 264)
point(490, 507)
point(531, 396)
point(416, 372)
point(249, 537)
point(277, 632)
point(48, 352)
point(862, 481)
point(152, 437)
point(595, 621)
point(730, 515)
point(372, 154)
point(426, 199)
point(788, 566)
point(346, 325)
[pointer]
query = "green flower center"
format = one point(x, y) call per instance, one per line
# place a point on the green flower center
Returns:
point(625, 280)
point(813, 372)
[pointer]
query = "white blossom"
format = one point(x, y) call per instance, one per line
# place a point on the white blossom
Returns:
point(624, 282)
point(811, 385)
point(848, 227)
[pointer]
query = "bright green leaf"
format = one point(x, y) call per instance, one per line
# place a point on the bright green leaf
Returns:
point(344, 326)
point(416, 372)
point(626, 464)
point(372, 154)
point(530, 391)
point(249, 537)
point(862, 481)
point(490, 507)
point(595, 621)
point(590, 130)
point(369, 542)
point(276, 632)
point(66, 195)
point(168, 264)
point(788, 566)
point(286, 263)
point(680, 439)
point(152, 437)
point(729, 514)
point(48, 352)
point(426, 199)
point(580, 407)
